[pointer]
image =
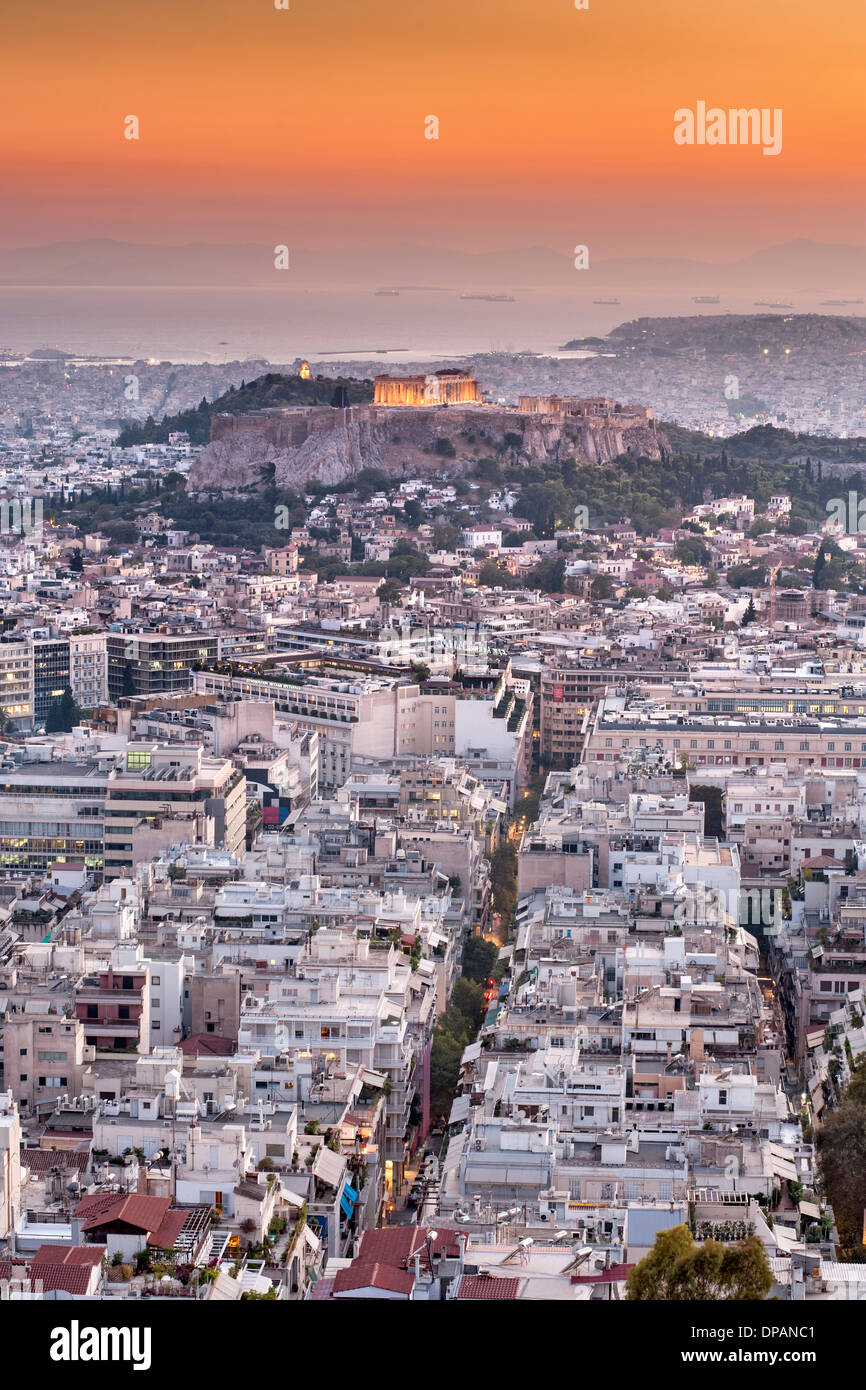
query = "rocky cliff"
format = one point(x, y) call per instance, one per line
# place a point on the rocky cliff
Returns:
point(329, 446)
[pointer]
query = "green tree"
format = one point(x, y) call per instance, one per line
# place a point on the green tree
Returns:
point(479, 959)
point(678, 1269)
point(750, 614)
point(76, 561)
point(492, 576)
point(549, 575)
point(468, 998)
point(63, 714)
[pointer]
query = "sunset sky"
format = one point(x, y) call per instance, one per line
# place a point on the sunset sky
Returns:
point(307, 126)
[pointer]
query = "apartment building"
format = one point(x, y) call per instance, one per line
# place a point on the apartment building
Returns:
point(16, 681)
point(52, 812)
point(147, 663)
point(164, 794)
point(113, 1004)
point(44, 1056)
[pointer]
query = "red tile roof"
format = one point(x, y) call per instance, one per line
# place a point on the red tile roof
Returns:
point(487, 1287)
point(144, 1213)
point(393, 1245)
point(614, 1275)
point(168, 1230)
point(65, 1267)
point(69, 1255)
point(365, 1275)
point(41, 1161)
point(207, 1045)
point(396, 1245)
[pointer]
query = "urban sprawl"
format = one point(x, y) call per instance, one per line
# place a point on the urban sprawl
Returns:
point(438, 874)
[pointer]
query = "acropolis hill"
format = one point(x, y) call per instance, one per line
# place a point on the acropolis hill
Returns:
point(327, 444)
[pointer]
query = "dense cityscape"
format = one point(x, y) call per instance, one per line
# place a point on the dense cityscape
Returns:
point(443, 877)
point(432, 682)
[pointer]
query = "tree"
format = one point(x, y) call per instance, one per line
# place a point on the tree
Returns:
point(420, 672)
point(479, 959)
point(601, 587)
point(678, 1269)
point(493, 576)
point(63, 714)
point(413, 511)
point(76, 561)
point(842, 1157)
point(390, 592)
point(549, 575)
point(503, 877)
point(750, 614)
point(690, 552)
point(468, 999)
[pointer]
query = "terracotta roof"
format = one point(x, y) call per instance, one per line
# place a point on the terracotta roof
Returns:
point(41, 1161)
point(168, 1230)
point(614, 1275)
point(69, 1268)
point(322, 1289)
point(69, 1255)
point(207, 1045)
point(145, 1213)
point(487, 1286)
point(365, 1275)
point(392, 1245)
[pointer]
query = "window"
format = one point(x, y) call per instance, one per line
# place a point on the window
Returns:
point(155, 979)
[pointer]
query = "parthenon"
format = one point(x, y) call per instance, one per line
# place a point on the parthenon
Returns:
point(451, 386)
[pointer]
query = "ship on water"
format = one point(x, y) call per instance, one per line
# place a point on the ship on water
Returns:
point(388, 292)
point(838, 303)
point(705, 299)
point(607, 301)
point(771, 304)
point(492, 298)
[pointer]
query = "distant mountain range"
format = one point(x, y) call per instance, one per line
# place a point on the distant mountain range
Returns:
point(799, 266)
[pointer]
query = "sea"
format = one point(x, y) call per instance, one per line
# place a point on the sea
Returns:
point(219, 324)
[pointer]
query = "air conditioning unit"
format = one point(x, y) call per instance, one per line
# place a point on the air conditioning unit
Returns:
point(479, 1145)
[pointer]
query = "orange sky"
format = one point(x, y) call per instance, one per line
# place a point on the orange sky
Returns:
point(306, 126)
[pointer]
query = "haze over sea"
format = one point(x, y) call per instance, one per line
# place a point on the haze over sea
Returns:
point(217, 323)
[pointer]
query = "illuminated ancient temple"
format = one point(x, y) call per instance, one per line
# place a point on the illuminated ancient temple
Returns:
point(450, 386)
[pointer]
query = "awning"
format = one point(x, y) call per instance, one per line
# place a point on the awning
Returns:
point(454, 1154)
point(809, 1209)
point(347, 1206)
point(471, 1053)
point(287, 1195)
point(350, 1192)
point(782, 1168)
point(459, 1110)
point(815, 1039)
point(329, 1167)
point(372, 1078)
